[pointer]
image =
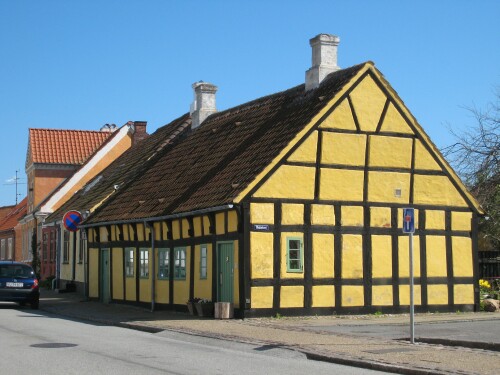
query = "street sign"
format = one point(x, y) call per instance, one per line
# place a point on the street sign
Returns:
point(71, 220)
point(408, 220)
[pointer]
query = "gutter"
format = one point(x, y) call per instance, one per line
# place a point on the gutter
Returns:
point(160, 218)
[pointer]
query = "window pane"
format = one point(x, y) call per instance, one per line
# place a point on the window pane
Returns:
point(294, 244)
point(294, 264)
point(294, 254)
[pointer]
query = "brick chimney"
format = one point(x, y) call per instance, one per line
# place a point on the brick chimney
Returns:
point(204, 102)
point(139, 132)
point(324, 59)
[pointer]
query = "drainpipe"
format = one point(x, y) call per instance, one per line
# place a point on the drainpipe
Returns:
point(153, 277)
point(83, 244)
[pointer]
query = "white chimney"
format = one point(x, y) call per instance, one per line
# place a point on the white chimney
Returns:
point(204, 102)
point(324, 59)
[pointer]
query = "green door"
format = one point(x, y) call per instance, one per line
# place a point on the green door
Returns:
point(225, 265)
point(104, 290)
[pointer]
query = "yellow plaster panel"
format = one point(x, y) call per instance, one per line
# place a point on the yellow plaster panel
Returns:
point(232, 218)
point(262, 213)
point(261, 255)
point(404, 295)
point(380, 217)
point(292, 214)
point(461, 221)
point(436, 190)
point(400, 218)
point(352, 216)
point(322, 253)
point(424, 159)
point(463, 294)
point(434, 219)
point(462, 256)
point(103, 234)
point(185, 228)
point(306, 152)
point(164, 227)
point(436, 256)
point(382, 187)
point(262, 297)
point(437, 294)
point(203, 287)
point(381, 256)
point(283, 270)
point(322, 214)
point(197, 226)
point(394, 122)
point(382, 295)
point(176, 229)
point(162, 291)
point(341, 118)
point(292, 296)
point(404, 256)
point(341, 184)
point(390, 152)
point(352, 295)
point(206, 224)
point(117, 273)
point(93, 273)
point(289, 182)
point(219, 223)
point(323, 296)
point(140, 232)
point(344, 149)
point(130, 289)
point(145, 290)
point(368, 101)
point(352, 256)
point(181, 290)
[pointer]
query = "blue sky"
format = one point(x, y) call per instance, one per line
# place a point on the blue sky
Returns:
point(82, 64)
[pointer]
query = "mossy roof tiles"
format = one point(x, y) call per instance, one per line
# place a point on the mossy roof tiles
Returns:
point(215, 162)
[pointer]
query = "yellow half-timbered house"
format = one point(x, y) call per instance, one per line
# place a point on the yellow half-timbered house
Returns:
point(291, 203)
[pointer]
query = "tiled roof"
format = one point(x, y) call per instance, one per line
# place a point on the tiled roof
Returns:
point(12, 218)
point(56, 146)
point(4, 211)
point(129, 166)
point(216, 161)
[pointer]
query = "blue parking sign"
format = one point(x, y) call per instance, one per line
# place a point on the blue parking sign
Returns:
point(408, 220)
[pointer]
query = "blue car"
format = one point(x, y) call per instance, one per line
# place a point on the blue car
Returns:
point(18, 283)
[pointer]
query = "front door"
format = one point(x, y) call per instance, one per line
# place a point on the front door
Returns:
point(225, 269)
point(104, 290)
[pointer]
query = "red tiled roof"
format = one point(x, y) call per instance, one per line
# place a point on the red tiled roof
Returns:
point(12, 218)
point(4, 211)
point(56, 146)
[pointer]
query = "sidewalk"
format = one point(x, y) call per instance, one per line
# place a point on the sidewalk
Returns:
point(310, 335)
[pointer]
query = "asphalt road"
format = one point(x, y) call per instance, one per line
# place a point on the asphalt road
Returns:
point(35, 342)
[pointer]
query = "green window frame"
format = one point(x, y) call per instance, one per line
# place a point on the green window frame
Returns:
point(129, 261)
point(144, 263)
point(180, 263)
point(203, 261)
point(66, 247)
point(163, 263)
point(294, 254)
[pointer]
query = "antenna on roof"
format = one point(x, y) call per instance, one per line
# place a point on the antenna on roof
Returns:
point(15, 180)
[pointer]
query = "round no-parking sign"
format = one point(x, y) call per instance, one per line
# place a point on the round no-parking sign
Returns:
point(71, 220)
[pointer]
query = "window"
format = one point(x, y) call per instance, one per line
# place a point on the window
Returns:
point(203, 262)
point(44, 247)
point(294, 254)
point(144, 263)
point(10, 249)
point(2, 249)
point(163, 263)
point(180, 263)
point(66, 247)
point(129, 261)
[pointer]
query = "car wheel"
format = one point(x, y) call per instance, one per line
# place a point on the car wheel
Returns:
point(34, 304)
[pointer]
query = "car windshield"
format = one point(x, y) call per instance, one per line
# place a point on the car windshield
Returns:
point(19, 271)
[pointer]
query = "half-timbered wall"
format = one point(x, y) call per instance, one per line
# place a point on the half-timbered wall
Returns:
point(190, 234)
point(341, 191)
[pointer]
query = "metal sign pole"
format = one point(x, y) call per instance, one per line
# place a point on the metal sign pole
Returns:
point(412, 304)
